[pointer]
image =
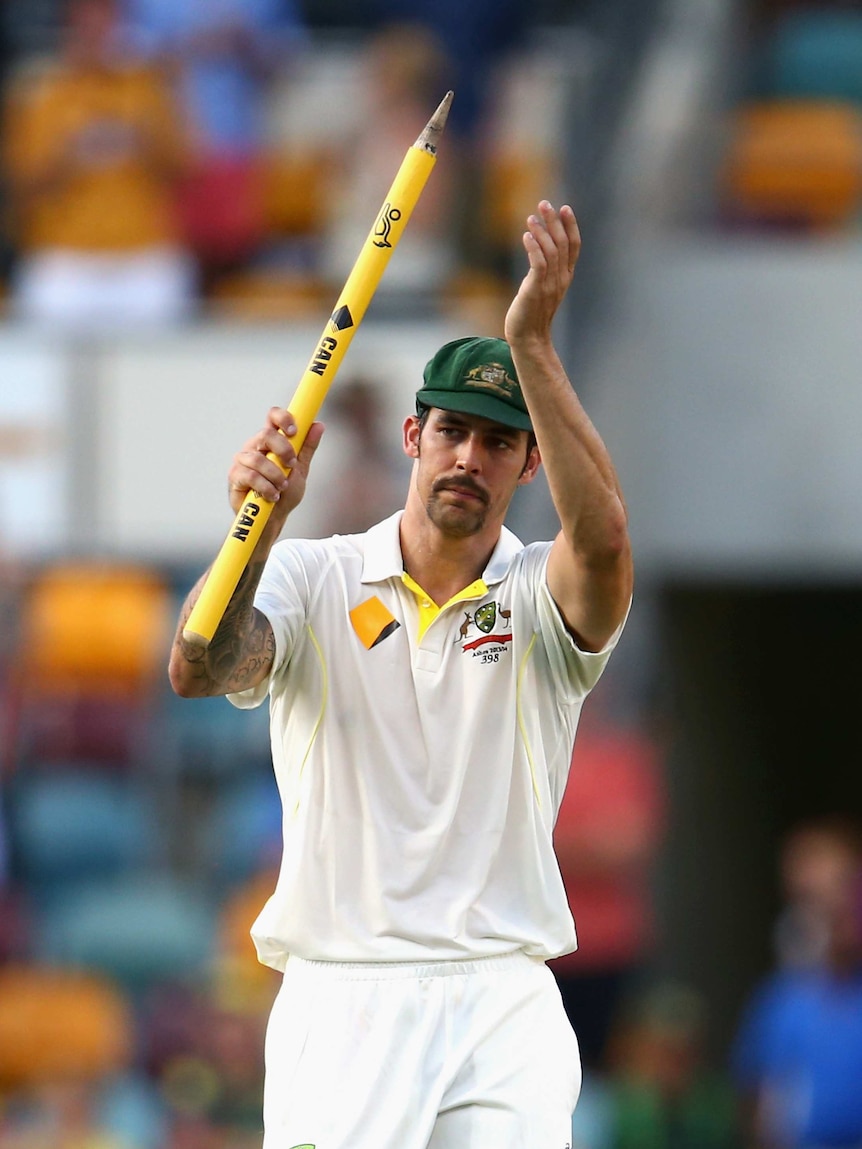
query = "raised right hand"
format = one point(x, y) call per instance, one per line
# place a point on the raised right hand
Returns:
point(252, 470)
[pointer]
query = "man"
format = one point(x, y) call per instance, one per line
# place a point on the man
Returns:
point(94, 152)
point(797, 1054)
point(425, 682)
point(225, 56)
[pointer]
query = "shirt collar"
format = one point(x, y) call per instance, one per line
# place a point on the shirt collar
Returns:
point(382, 557)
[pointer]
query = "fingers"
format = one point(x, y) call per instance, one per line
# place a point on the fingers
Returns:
point(264, 463)
point(312, 442)
point(553, 239)
point(252, 471)
point(573, 235)
point(552, 242)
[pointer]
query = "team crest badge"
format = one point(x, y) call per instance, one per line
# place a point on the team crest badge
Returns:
point(494, 624)
point(485, 617)
point(493, 377)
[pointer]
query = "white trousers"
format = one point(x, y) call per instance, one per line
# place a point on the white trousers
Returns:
point(402, 1056)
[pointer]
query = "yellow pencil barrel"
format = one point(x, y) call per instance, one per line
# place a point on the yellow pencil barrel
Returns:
point(312, 388)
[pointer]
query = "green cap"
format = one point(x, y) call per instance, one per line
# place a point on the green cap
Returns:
point(476, 376)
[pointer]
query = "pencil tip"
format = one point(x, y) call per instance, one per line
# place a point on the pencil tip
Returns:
point(430, 135)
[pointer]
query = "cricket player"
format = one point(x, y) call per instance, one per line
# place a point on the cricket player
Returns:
point(425, 681)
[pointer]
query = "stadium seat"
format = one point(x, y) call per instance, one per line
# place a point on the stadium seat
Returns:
point(209, 740)
point(815, 54)
point(95, 624)
point(137, 930)
point(794, 163)
point(92, 644)
point(243, 831)
point(68, 824)
point(60, 1024)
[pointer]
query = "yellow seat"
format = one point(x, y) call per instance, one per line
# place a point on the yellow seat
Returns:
point(60, 1025)
point(295, 191)
point(94, 627)
point(513, 185)
point(794, 162)
point(91, 650)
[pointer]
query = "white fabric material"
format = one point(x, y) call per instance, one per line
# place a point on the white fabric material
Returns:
point(420, 779)
point(87, 289)
point(438, 1056)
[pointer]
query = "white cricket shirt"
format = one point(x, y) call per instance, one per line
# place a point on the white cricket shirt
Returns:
point(421, 755)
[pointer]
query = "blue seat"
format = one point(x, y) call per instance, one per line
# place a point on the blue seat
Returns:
point(138, 930)
point(243, 832)
point(209, 738)
point(815, 55)
point(68, 825)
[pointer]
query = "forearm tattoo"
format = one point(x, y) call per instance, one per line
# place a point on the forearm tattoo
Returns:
point(242, 650)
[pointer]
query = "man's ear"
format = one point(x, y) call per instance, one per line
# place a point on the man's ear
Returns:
point(411, 431)
point(531, 467)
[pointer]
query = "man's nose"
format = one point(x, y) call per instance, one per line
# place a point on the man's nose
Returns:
point(469, 454)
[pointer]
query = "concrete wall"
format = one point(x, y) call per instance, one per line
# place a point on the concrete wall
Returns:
point(729, 386)
point(125, 442)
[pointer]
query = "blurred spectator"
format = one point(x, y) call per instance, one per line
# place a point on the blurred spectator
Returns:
point(93, 151)
point(477, 38)
point(6, 57)
point(798, 1053)
point(607, 835)
point(371, 480)
point(223, 55)
point(815, 864)
point(403, 69)
point(659, 1093)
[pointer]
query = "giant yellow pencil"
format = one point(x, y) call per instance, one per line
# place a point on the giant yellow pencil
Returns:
point(350, 307)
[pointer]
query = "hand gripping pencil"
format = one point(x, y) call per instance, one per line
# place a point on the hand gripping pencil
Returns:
point(350, 307)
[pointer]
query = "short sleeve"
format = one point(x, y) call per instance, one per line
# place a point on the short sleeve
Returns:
point(577, 670)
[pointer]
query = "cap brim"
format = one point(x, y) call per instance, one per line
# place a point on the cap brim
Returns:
point(471, 404)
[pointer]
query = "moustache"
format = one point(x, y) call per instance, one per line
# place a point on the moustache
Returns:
point(464, 484)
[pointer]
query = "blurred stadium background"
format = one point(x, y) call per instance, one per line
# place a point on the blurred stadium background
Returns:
point(713, 152)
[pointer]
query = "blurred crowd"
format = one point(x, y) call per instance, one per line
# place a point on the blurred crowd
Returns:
point(793, 1073)
point(163, 159)
point(167, 159)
